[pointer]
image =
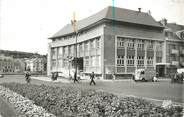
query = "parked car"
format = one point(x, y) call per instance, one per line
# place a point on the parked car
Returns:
point(145, 75)
point(178, 76)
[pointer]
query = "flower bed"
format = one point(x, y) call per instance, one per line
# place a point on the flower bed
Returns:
point(67, 101)
point(24, 106)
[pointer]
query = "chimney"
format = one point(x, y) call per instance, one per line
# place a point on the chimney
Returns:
point(139, 9)
point(164, 22)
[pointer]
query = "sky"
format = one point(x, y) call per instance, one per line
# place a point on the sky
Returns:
point(26, 25)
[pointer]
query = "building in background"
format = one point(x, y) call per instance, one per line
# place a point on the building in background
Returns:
point(37, 64)
point(173, 48)
point(109, 42)
point(18, 62)
point(6, 64)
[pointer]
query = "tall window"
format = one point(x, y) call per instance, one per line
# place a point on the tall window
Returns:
point(140, 44)
point(98, 63)
point(65, 51)
point(120, 60)
point(80, 47)
point(69, 50)
point(53, 63)
point(158, 59)
point(87, 61)
point(65, 63)
point(130, 60)
point(159, 46)
point(53, 53)
point(140, 60)
point(150, 45)
point(60, 52)
point(120, 42)
point(150, 60)
point(86, 46)
point(97, 43)
point(130, 44)
point(92, 44)
point(93, 61)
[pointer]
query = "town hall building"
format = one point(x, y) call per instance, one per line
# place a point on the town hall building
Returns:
point(113, 41)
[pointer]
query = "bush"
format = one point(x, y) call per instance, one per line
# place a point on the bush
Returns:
point(67, 101)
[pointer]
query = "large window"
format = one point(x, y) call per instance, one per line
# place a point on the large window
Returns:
point(80, 47)
point(150, 60)
point(87, 61)
point(60, 63)
point(120, 60)
point(130, 60)
point(93, 61)
point(130, 44)
point(158, 59)
point(92, 44)
point(86, 46)
point(159, 46)
point(53, 53)
point(97, 43)
point(150, 45)
point(98, 63)
point(69, 50)
point(140, 44)
point(140, 60)
point(53, 63)
point(120, 42)
point(65, 63)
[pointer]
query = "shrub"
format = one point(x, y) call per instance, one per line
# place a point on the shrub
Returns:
point(67, 101)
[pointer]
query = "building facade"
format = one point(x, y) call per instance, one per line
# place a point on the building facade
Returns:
point(173, 48)
point(6, 64)
point(36, 64)
point(109, 45)
point(10, 65)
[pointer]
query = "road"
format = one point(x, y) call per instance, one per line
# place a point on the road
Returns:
point(154, 91)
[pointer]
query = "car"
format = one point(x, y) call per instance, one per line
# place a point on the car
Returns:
point(145, 75)
point(1, 75)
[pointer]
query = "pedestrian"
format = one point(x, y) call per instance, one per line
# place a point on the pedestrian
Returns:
point(75, 77)
point(113, 76)
point(28, 77)
point(92, 77)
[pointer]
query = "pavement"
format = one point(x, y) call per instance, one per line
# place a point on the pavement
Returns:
point(156, 100)
point(156, 92)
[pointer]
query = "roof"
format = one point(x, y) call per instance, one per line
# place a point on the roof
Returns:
point(177, 30)
point(175, 27)
point(121, 14)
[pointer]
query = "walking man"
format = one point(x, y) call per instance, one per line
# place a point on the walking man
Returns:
point(28, 77)
point(92, 77)
point(75, 77)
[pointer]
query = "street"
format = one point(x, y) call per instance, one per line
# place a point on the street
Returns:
point(153, 91)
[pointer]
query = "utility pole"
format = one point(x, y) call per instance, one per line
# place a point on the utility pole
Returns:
point(74, 24)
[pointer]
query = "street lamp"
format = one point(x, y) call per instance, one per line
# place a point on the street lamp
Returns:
point(74, 23)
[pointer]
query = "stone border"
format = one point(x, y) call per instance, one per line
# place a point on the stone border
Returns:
point(23, 105)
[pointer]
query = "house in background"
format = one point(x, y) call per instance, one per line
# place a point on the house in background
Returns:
point(109, 42)
point(6, 64)
point(173, 48)
point(37, 64)
point(17, 62)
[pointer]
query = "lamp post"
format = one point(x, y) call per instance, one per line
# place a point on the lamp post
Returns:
point(74, 23)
